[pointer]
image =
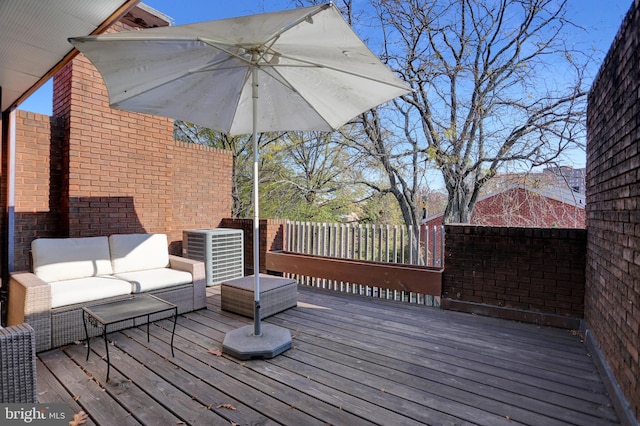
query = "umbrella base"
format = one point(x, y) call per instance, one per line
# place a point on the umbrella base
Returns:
point(244, 345)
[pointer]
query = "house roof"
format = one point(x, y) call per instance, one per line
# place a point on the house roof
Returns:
point(558, 193)
point(33, 39)
point(554, 192)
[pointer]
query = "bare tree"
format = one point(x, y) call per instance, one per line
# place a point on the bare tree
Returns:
point(494, 83)
point(312, 176)
point(304, 175)
point(317, 163)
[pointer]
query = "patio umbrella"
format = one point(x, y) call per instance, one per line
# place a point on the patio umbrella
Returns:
point(300, 69)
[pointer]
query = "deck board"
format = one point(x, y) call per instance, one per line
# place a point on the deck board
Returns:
point(85, 391)
point(354, 360)
point(238, 380)
point(130, 390)
point(52, 391)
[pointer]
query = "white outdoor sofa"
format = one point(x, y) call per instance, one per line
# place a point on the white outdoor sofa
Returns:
point(70, 273)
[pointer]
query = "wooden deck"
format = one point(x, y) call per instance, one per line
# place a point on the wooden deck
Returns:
point(355, 361)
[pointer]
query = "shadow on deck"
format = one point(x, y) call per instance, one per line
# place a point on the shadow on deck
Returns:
point(355, 361)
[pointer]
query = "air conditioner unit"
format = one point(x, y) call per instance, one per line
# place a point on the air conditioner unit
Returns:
point(221, 250)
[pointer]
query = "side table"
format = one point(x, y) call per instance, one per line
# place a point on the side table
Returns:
point(137, 306)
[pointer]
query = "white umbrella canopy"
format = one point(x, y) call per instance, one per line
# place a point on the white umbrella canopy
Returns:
point(314, 72)
point(301, 69)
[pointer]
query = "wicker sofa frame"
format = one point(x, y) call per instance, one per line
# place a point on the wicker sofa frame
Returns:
point(18, 364)
point(30, 302)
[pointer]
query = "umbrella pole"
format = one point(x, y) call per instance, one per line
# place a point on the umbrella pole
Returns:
point(256, 214)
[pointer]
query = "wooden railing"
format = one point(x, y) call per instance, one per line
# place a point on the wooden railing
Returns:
point(377, 243)
point(390, 262)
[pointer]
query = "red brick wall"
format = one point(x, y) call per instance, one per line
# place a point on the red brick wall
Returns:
point(533, 269)
point(115, 155)
point(612, 304)
point(38, 180)
point(201, 186)
point(272, 235)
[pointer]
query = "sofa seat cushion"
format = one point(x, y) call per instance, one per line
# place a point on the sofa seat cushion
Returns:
point(81, 290)
point(61, 259)
point(138, 252)
point(152, 279)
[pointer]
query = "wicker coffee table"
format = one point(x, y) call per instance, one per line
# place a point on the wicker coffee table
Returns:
point(138, 306)
point(276, 295)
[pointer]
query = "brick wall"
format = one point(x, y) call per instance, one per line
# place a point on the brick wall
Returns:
point(201, 186)
point(272, 235)
point(612, 306)
point(520, 269)
point(38, 180)
point(93, 170)
point(114, 154)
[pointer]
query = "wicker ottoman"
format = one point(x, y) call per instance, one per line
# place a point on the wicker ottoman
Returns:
point(276, 295)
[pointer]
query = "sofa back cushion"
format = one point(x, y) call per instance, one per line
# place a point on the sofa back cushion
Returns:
point(57, 259)
point(138, 252)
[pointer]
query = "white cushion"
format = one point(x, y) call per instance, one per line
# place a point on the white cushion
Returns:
point(82, 290)
point(152, 279)
point(58, 259)
point(138, 252)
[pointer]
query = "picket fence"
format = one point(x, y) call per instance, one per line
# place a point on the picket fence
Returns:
point(378, 243)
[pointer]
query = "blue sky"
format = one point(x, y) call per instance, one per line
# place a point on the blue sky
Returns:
point(600, 20)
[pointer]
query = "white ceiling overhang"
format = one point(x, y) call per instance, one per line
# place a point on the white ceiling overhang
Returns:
point(33, 39)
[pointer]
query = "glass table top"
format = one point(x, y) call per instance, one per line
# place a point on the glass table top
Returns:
point(132, 307)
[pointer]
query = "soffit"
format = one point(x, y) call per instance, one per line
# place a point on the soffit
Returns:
point(33, 38)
